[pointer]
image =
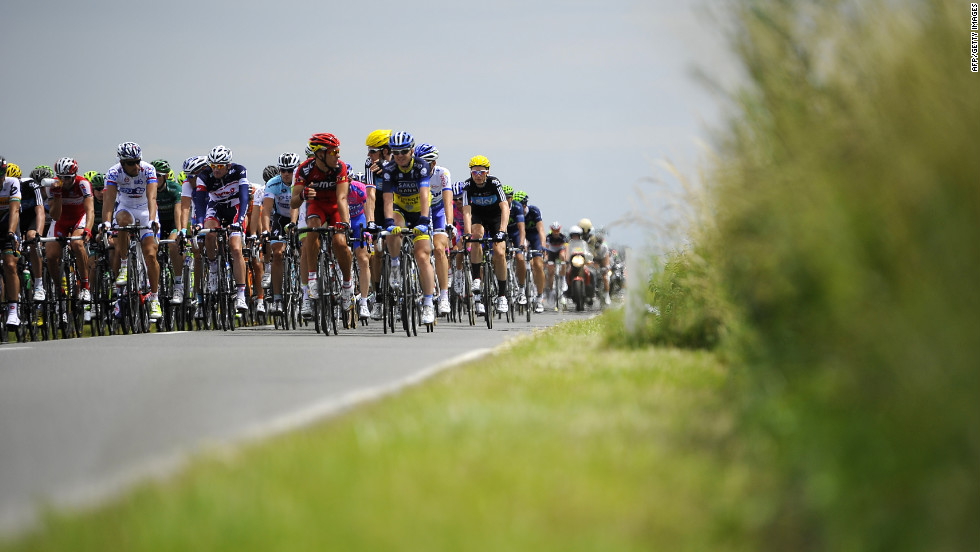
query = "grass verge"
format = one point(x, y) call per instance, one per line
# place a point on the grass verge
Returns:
point(555, 443)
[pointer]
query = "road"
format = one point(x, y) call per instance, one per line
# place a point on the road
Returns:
point(85, 419)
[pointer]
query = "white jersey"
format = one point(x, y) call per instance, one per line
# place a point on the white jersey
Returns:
point(131, 190)
point(9, 192)
point(437, 183)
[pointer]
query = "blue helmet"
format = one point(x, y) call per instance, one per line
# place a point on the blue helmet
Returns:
point(426, 152)
point(401, 140)
point(458, 189)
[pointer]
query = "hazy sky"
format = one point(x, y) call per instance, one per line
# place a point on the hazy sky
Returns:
point(572, 101)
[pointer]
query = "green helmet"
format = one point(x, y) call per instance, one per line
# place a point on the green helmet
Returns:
point(161, 166)
point(508, 190)
point(96, 178)
point(520, 196)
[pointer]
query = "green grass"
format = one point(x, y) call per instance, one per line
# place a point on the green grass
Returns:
point(556, 443)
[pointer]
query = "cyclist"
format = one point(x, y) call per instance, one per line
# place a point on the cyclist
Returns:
point(130, 197)
point(221, 200)
point(534, 232)
point(557, 252)
point(268, 173)
point(357, 199)
point(441, 213)
point(255, 223)
point(278, 213)
point(97, 180)
point(10, 196)
point(322, 183)
point(378, 154)
point(516, 235)
point(192, 168)
point(72, 207)
point(407, 202)
point(171, 215)
point(485, 209)
point(601, 254)
point(32, 217)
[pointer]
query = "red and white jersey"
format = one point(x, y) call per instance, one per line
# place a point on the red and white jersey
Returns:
point(73, 199)
point(131, 190)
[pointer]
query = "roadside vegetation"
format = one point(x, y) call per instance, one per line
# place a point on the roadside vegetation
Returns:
point(836, 274)
point(806, 376)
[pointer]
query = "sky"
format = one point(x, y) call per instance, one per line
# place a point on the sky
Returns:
point(578, 103)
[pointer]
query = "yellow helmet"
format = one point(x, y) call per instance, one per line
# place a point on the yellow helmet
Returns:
point(586, 224)
point(479, 161)
point(13, 170)
point(378, 138)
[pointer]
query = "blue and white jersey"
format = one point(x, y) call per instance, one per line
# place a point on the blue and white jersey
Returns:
point(280, 193)
point(407, 183)
point(231, 190)
point(131, 190)
point(440, 181)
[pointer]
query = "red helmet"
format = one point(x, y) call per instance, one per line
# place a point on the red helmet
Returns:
point(323, 140)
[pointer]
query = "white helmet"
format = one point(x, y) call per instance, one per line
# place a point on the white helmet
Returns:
point(219, 155)
point(288, 161)
point(575, 230)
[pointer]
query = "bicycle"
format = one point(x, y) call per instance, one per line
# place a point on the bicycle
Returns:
point(102, 321)
point(133, 298)
point(28, 310)
point(219, 303)
point(70, 310)
point(489, 282)
point(166, 287)
point(326, 303)
point(289, 318)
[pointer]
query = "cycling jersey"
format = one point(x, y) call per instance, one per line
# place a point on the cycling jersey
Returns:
point(131, 190)
point(437, 183)
point(516, 216)
point(9, 193)
point(484, 201)
point(555, 242)
point(324, 206)
point(371, 181)
point(280, 193)
point(73, 206)
point(531, 219)
point(168, 197)
point(407, 184)
point(30, 198)
point(356, 198)
point(227, 194)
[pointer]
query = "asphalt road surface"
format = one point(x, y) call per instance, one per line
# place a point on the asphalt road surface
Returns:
point(84, 419)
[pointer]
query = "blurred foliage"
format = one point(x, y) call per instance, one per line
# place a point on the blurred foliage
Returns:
point(845, 204)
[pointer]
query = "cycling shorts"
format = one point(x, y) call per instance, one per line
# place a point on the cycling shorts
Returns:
point(28, 221)
point(225, 214)
point(66, 227)
point(328, 213)
point(490, 225)
point(141, 216)
point(438, 216)
point(534, 243)
point(515, 238)
point(277, 227)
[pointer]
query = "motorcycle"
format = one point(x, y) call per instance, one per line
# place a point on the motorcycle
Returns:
point(617, 276)
point(579, 279)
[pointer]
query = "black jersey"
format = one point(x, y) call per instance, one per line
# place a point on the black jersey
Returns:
point(484, 200)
